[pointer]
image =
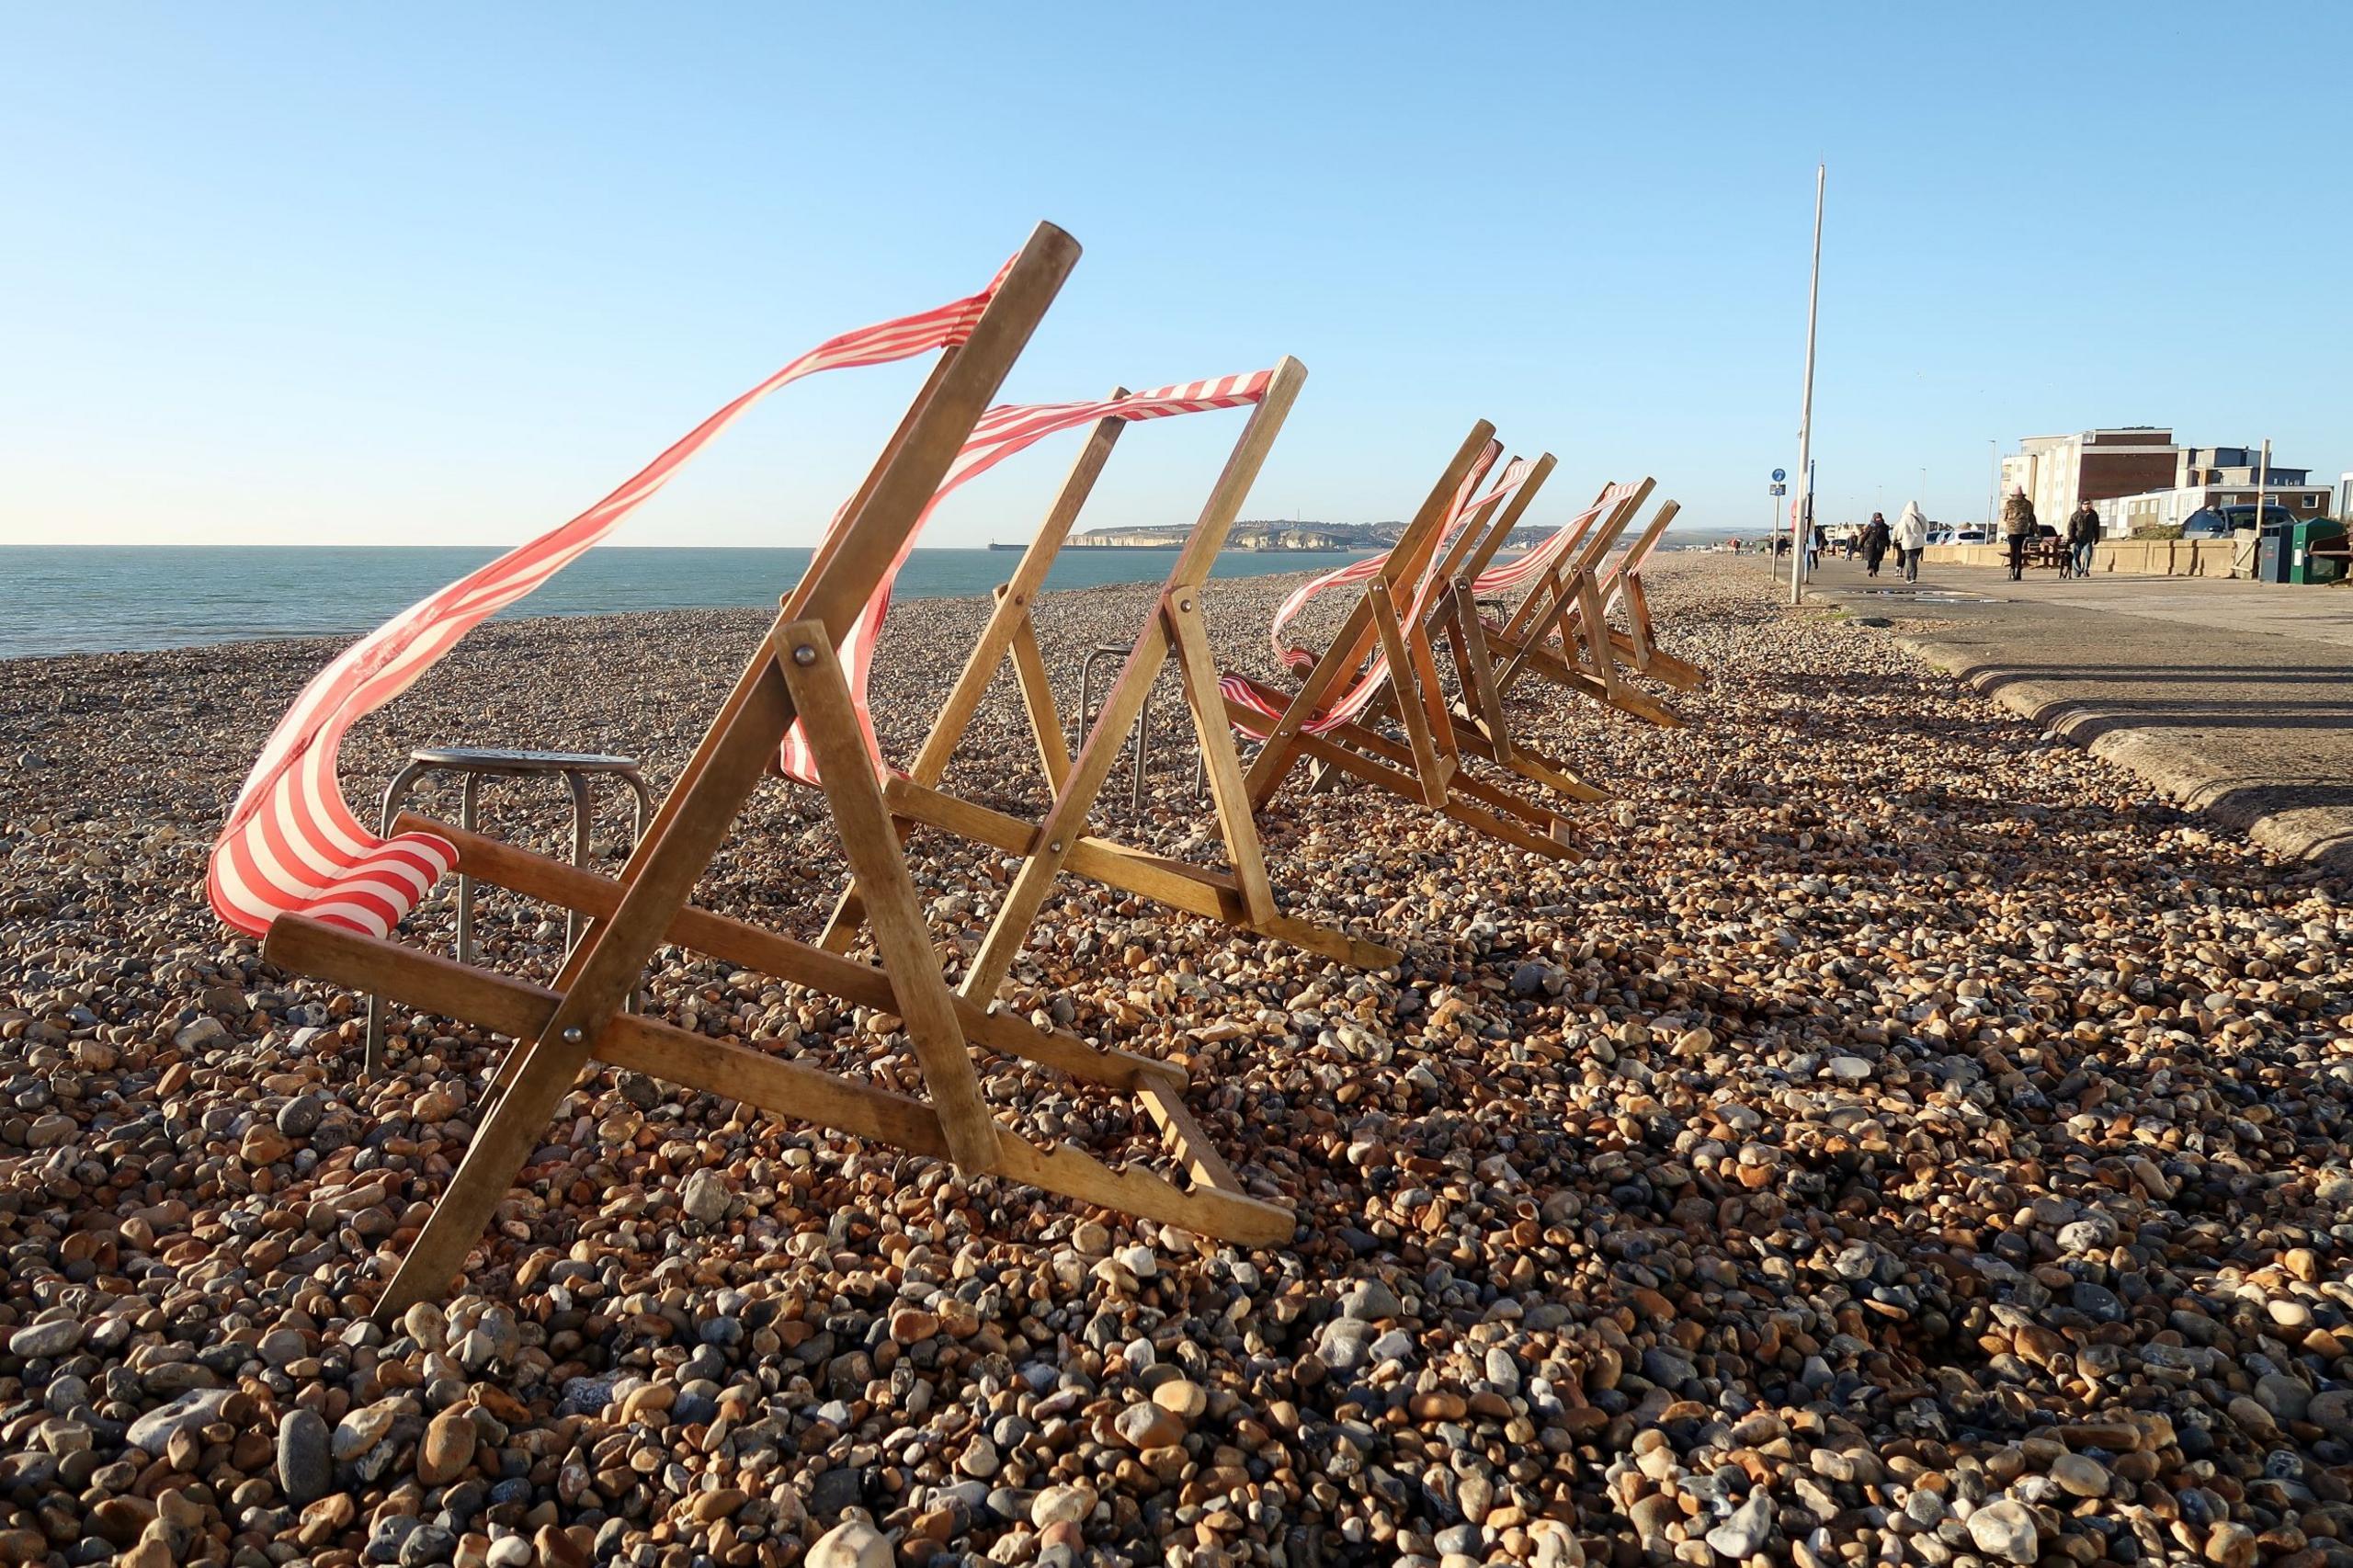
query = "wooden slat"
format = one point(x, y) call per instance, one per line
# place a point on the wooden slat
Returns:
point(602, 971)
point(1247, 1221)
point(1038, 701)
point(1229, 795)
point(1278, 752)
point(1065, 820)
point(773, 1084)
point(518, 1009)
point(1475, 664)
point(1428, 769)
point(1015, 600)
point(1186, 1141)
point(756, 948)
point(894, 915)
point(1593, 632)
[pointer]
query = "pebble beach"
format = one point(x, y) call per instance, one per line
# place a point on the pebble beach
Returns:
point(1907, 1138)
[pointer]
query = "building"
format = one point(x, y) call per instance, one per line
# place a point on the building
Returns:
point(2059, 472)
point(2215, 476)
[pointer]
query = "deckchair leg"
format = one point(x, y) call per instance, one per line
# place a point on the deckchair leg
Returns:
point(1038, 700)
point(1196, 664)
point(1431, 771)
point(1008, 625)
point(1475, 663)
point(829, 722)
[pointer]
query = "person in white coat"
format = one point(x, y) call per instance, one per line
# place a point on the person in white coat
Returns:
point(1911, 538)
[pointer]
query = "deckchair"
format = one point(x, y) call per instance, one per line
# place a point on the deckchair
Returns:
point(1325, 719)
point(1560, 630)
point(1621, 585)
point(295, 864)
point(1057, 841)
point(1476, 716)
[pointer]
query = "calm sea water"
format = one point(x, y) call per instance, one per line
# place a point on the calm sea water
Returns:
point(90, 599)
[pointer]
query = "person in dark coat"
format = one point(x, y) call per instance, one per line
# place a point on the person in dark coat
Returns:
point(2018, 530)
point(1875, 538)
point(2083, 533)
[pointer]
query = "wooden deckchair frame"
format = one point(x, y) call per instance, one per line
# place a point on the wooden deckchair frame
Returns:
point(1622, 585)
point(1057, 841)
point(1560, 630)
point(1426, 768)
point(1477, 716)
point(794, 674)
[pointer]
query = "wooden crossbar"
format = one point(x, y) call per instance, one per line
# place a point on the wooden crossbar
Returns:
point(794, 674)
point(1213, 1203)
point(1427, 767)
point(1058, 844)
point(1477, 721)
point(1560, 630)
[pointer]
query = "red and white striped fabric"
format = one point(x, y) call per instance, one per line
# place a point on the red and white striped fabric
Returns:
point(1364, 570)
point(1001, 432)
point(1352, 703)
point(1513, 574)
point(1624, 568)
point(292, 845)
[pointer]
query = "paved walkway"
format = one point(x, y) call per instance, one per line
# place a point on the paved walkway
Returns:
point(2233, 697)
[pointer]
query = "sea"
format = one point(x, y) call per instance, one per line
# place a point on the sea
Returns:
point(117, 598)
point(103, 598)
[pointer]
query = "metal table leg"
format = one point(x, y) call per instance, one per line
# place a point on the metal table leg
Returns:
point(372, 1057)
point(578, 783)
point(469, 815)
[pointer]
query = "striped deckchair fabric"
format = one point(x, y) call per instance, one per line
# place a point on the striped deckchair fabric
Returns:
point(1476, 719)
point(292, 845)
point(295, 864)
point(1374, 678)
point(1518, 573)
point(1057, 843)
point(1381, 663)
point(1002, 432)
point(1561, 628)
point(1357, 572)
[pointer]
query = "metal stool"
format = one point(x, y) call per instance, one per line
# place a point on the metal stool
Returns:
point(1084, 718)
point(474, 764)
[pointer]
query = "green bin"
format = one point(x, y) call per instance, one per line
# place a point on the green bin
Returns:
point(2303, 565)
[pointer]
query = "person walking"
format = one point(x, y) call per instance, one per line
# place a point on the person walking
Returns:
point(2017, 530)
point(1875, 542)
point(1911, 538)
point(2083, 533)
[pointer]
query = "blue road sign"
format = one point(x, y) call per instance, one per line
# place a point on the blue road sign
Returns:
point(1778, 475)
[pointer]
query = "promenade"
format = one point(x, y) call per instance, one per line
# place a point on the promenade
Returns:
point(2235, 697)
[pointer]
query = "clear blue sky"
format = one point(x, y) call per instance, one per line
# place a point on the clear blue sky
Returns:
point(447, 273)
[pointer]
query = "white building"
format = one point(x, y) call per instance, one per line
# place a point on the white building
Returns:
point(2059, 472)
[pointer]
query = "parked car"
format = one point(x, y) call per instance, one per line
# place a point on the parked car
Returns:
point(2221, 522)
point(1969, 533)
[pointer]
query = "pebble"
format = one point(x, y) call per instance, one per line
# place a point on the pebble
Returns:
point(854, 1543)
point(1904, 1139)
point(305, 1466)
